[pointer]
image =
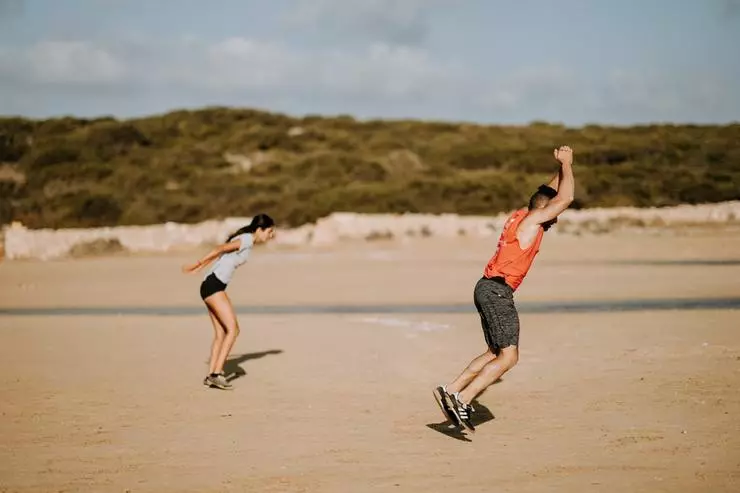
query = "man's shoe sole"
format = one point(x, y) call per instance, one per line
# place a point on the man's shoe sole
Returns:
point(439, 396)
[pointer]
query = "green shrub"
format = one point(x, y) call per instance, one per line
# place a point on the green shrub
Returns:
point(174, 167)
point(96, 210)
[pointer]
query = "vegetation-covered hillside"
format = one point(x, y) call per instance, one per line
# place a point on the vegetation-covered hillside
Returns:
point(188, 166)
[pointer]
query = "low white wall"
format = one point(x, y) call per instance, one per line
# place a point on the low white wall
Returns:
point(44, 244)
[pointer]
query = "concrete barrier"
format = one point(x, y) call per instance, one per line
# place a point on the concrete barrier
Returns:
point(45, 244)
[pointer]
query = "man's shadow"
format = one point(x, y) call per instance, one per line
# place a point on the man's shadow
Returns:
point(481, 415)
point(232, 370)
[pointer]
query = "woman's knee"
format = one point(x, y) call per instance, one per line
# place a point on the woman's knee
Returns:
point(221, 308)
point(233, 329)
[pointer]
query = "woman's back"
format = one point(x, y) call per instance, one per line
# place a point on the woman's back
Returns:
point(227, 263)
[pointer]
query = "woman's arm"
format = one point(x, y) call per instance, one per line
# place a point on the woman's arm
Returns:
point(231, 246)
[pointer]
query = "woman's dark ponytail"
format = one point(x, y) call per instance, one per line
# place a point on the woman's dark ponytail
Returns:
point(260, 221)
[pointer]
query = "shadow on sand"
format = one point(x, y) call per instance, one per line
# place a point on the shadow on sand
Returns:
point(481, 415)
point(232, 370)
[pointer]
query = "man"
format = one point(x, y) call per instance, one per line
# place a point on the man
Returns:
point(517, 247)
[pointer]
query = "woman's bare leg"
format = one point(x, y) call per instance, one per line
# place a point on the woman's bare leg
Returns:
point(220, 304)
point(219, 334)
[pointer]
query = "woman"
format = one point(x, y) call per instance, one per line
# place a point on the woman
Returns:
point(229, 256)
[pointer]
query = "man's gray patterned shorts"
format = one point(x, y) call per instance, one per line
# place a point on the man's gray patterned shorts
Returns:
point(494, 300)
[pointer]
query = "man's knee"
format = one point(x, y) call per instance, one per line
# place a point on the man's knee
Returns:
point(480, 362)
point(509, 357)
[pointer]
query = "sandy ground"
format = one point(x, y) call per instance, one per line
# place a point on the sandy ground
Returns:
point(640, 401)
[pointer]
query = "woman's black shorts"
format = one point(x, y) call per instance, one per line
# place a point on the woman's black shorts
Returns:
point(211, 285)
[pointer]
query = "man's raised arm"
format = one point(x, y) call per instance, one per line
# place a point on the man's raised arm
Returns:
point(566, 189)
point(556, 179)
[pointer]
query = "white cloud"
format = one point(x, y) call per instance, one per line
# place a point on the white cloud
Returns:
point(379, 72)
point(393, 21)
point(240, 64)
point(381, 79)
point(387, 71)
point(536, 86)
point(621, 95)
point(61, 62)
point(668, 94)
point(73, 62)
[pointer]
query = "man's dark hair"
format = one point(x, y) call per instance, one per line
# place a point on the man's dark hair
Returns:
point(542, 196)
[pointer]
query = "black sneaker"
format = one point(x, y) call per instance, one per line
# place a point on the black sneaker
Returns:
point(463, 412)
point(443, 398)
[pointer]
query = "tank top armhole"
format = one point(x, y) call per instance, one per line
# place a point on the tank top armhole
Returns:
point(510, 235)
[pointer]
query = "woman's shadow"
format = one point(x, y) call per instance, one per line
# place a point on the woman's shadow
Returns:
point(232, 370)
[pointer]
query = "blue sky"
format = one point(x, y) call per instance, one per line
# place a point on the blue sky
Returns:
point(490, 61)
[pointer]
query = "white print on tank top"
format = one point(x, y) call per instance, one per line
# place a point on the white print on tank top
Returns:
point(501, 240)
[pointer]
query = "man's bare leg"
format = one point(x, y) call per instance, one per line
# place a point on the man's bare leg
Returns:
point(490, 372)
point(470, 372)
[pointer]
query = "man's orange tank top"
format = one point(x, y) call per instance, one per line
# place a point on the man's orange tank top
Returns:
point(510, 261)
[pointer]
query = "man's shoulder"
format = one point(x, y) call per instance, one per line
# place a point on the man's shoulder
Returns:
point(513, 222)
point(517, 216)
point(521, 220)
